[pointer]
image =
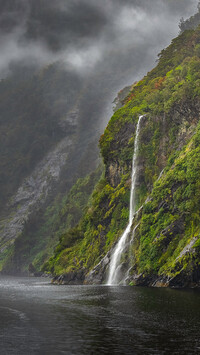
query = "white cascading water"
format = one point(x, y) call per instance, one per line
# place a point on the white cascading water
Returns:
point(113, 278)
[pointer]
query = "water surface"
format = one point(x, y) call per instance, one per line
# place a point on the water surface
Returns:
point(39, 318)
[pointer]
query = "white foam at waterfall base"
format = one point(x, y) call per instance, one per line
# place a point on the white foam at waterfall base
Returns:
point(115, 262)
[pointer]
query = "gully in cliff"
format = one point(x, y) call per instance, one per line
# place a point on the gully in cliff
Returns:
point(114, 275)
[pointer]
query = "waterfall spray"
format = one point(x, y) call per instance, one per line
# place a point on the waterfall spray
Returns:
point(113, 276)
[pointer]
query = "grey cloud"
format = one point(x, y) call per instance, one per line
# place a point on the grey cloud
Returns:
point(105, 44)
point(61, 26)
point(88, 33)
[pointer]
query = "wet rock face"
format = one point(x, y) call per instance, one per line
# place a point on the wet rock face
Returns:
point(114, 167)
point(98, 274)
point(33, 192)
point(71, 278)
point(185, 279)
point(35, 189)
point(167, 234)
point(184, 117)
point(186, 272)
point(114, 172)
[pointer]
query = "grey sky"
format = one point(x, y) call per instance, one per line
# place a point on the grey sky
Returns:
point(109, 43)
point(84, 33)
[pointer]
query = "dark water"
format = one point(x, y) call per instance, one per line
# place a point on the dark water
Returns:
point(39, 318)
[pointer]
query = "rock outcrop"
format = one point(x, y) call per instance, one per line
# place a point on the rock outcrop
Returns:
point(33, 193)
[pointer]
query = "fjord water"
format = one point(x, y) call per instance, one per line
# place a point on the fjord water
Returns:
point(40, 318)
point(114, 275)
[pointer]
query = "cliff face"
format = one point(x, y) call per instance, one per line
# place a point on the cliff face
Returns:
point(43, 154)
point(165, 247)
point(51, 119)
point(166, 244)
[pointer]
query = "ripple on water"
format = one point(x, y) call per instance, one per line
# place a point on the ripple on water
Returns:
point(40, 318)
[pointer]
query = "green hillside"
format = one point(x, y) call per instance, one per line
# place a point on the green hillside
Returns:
point(167, 237)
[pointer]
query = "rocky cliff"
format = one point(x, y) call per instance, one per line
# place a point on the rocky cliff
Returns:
point(43, 154)
point(164, 248)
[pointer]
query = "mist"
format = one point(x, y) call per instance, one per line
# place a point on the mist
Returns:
point(63, 204)
point(101, 46)
point(88, 36)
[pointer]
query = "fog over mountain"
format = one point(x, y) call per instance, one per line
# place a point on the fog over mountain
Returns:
point(115, 40)
point(89, 35)
point(62, 64)
point(99, 176)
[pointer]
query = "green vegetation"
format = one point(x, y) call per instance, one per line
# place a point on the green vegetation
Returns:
point(170, 221)
point(192, 22)
point(169, 98)
point(104, 220)
point(44, 229)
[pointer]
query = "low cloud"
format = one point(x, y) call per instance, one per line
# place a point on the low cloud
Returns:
point(85, 36)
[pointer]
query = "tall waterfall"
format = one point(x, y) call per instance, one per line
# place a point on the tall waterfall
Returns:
point(113, 276)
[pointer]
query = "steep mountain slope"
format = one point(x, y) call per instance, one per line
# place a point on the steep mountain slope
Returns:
point(43, 152)
point(165, 248)
point(50, 120)
point(30, 122)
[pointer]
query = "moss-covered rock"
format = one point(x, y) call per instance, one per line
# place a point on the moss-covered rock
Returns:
point(165, 249)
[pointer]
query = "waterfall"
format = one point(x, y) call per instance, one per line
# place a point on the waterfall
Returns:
point(113, 276)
